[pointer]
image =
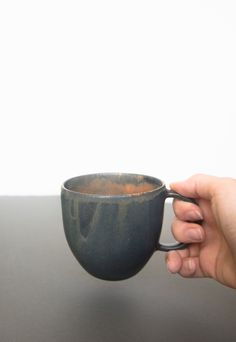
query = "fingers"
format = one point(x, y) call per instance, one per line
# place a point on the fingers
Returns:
point(184, 230)
point(187, 232)
point(186, 266)
point(185, 227)
point(186, 211)
point(173, 262)
point(186, 262)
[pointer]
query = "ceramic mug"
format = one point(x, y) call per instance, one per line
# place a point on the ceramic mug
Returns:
point(113, 221)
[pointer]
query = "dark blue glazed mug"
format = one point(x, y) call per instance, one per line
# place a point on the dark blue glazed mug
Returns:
point(113, 221)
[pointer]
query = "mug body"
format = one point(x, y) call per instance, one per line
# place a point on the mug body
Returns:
point(113, 222)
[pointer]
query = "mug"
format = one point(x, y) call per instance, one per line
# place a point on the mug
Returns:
point(113, 221)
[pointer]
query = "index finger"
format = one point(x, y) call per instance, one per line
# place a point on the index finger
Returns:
point(187, 211)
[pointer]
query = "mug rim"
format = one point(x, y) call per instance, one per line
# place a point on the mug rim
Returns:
point(128, 195)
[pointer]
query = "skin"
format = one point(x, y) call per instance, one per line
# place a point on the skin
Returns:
point(212, 250)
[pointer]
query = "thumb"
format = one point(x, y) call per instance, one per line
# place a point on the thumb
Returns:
point(197, 186)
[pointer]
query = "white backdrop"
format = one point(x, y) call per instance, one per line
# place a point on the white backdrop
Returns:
point(136, 86)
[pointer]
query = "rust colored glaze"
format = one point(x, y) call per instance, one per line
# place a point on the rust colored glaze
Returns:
point(111, 188)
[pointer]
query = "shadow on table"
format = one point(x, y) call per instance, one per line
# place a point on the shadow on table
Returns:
point(117, 316)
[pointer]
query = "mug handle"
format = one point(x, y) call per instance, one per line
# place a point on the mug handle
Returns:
point(179, 245)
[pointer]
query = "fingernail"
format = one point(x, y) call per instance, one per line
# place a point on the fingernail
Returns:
point(194, 235)
point(191, 266)
point(195, 215)
point(172, 266)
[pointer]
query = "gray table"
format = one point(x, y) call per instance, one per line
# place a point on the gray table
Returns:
point(46, 296)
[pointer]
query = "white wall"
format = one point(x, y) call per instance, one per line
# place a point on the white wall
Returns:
point(138, 86)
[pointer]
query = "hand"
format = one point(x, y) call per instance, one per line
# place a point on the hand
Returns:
point(212, 250)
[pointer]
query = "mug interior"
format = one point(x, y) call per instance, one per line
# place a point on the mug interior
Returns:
point(106, 184)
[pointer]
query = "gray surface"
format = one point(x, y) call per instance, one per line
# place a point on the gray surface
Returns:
point(46, 296)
